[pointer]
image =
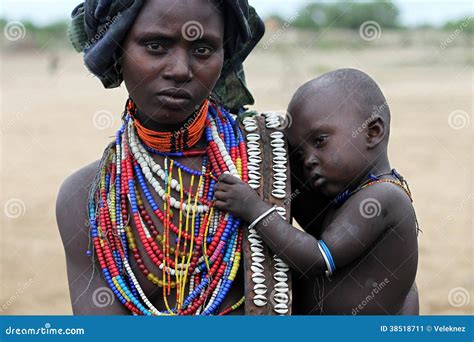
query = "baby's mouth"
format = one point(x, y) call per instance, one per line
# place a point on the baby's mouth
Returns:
point(317, 180)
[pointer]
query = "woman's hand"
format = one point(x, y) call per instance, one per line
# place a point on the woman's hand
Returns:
point(234, 196)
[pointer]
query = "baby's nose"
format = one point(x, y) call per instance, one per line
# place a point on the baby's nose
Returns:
point(310, 162)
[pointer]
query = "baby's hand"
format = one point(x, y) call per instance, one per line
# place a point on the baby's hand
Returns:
point(234, 196)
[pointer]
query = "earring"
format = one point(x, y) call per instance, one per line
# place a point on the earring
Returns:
point(118, 68)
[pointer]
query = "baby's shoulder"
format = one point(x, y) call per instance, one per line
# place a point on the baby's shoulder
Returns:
point(387, 192)
point(385, 200)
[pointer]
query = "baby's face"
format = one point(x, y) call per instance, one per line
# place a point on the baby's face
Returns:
point(323, 144)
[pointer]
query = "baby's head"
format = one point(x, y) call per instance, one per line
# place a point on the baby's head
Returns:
point(340, 130)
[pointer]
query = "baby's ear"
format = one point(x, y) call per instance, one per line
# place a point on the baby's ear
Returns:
point(376, 132)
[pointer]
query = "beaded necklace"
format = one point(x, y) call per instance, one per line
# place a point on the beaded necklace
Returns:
point(182, 139)
point(208, 244)
point(372, 180)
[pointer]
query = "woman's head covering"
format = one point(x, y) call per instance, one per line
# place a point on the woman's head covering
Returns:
point(99, 27)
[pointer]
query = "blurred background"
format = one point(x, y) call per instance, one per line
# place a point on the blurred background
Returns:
point(56, 118)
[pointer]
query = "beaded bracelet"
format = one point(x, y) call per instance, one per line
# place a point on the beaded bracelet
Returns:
point(328, 259)
point(261, 217)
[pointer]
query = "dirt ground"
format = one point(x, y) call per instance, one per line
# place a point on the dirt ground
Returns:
point(56, 119)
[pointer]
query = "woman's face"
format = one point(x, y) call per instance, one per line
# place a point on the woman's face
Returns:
point(172, 59)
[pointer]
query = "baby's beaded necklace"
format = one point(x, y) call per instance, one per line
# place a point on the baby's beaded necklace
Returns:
point(208, 246)
point(372, 180)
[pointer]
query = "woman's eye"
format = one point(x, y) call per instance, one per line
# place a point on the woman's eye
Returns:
point(155, 47)
point(204, 51)
point(320, 141)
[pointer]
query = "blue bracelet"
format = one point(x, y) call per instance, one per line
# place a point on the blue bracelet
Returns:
point(329, 255)
point(331, 265)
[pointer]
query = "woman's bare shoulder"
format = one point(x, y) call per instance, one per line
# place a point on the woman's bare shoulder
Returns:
point(85, 284)
point(71, 202)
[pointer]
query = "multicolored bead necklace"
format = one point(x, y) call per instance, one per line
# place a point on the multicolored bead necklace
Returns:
point(205, 257)
point(372, 180)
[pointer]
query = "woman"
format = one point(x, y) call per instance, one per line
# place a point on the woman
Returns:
point(181, 62)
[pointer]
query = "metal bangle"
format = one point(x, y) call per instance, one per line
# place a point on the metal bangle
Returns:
point(261, 217)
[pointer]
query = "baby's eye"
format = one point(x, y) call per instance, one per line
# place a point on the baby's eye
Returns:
point(319, 142)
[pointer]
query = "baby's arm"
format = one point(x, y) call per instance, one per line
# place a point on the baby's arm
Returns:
point(297, 248)
point(347, 237)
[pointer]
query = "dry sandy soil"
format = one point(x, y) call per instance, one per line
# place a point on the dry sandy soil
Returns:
point(56, 121)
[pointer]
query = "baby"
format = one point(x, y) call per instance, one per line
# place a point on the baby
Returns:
point(359, 252)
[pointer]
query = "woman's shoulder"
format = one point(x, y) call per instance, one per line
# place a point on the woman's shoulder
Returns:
point(71, 202)
point(85, 284)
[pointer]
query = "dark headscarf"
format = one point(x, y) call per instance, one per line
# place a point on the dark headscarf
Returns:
point(98, 28)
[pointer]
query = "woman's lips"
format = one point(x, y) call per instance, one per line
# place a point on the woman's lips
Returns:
point(175, 98)
point(173, 102)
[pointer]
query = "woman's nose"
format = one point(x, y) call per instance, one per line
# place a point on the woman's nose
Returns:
point(179, 67)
